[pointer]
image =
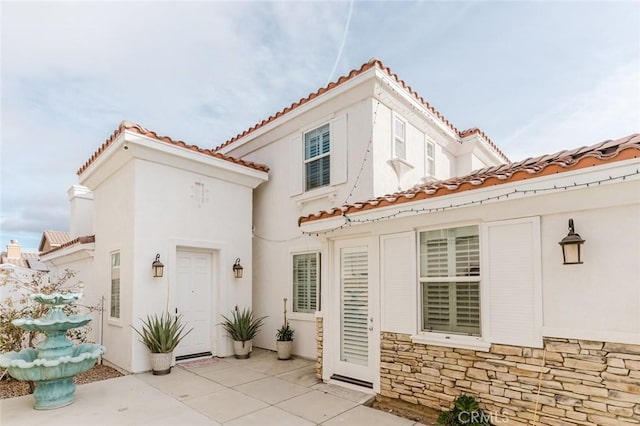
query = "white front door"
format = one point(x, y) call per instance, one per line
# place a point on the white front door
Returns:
point(357, 327)
point(193, 300)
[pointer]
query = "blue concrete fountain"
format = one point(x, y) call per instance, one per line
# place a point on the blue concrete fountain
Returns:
point(54, 362)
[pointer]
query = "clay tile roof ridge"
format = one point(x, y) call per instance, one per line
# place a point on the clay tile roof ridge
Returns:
point(371, 63)
point(565, 160)
point(78, 240)
point(137, 128)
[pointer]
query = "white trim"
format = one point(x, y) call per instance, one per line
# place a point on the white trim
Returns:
point(452, 341)
point(314, 194)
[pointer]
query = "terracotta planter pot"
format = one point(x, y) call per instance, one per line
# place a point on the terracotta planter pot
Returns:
point(242, 350)
point(284, 349)
point(161, 363)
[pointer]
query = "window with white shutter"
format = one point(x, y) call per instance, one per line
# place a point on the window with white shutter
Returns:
point(399, 138)
point(450, 280)
point(317, 158)
point(305, 282)
point(430, 159)
point(115, 285)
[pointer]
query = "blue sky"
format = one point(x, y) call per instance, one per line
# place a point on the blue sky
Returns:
point(537, 77)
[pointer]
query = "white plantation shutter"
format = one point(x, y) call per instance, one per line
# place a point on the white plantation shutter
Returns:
point(305, 282)
point(397, 257)
point(513, 276)
point(296, 165)
point(450, 277)
point(339, 157)
point(115, 285)
point(354, 293)
point(436, 304)
point(468, 305)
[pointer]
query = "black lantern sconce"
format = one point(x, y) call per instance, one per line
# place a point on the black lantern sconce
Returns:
point(158, 267)
point(570, 244)
point(237, 269)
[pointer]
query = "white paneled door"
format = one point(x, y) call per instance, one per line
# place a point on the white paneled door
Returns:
point(193, 299)
point(357, 328)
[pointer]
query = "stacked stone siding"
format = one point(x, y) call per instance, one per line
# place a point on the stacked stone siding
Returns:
point(579, 381)
point(319, 348)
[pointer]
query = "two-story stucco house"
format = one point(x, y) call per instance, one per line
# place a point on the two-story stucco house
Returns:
point(417, 262)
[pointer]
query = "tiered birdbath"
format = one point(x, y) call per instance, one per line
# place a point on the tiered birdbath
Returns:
point(56, 360)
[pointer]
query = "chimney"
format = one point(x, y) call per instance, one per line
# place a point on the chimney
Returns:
point(13, 250)
point(81, 199)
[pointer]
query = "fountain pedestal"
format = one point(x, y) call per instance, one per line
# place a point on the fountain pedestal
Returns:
point(55, 361)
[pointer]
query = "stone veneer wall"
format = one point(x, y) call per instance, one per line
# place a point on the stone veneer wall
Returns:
point(581, 382)
point(319, 329)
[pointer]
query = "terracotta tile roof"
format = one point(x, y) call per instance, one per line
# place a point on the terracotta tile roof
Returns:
point(55, 238)
point(373, 63)
point(80, 240)
point(127, 125)
point(544, 165)
point(22, 262)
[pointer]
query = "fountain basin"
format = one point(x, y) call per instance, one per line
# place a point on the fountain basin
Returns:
point(25, 365)
point(51, 323)
point(53, 377)
point(56, 298)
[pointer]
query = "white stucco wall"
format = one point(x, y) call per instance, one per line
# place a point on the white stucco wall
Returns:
point(114, 226)
point(597, 300)
point(79, 259)
point(170, 214)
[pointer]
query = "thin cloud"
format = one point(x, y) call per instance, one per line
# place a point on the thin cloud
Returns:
point(586, 118)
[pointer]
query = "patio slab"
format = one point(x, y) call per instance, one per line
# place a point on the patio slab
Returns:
point(272, 390)
point(216, 392)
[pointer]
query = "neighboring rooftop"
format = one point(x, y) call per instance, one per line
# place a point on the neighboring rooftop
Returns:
point(52, 239)
point(372, 63)
point(564, 161)
point(15, 256)
point(136, 128)
point(76, 241)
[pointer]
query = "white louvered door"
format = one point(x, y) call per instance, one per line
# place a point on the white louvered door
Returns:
point(357, 323)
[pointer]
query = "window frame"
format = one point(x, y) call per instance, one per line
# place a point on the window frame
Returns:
point(318, 157)
point(396, 118)
point(112, 269)
point(450, 339)
point(429, 171)
point(306, 314)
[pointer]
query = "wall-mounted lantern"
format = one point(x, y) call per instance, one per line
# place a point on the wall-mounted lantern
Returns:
point(571, 246)
point(158, 267)
point(237, 269)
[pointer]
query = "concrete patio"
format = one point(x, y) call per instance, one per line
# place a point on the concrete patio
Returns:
point(259, 391)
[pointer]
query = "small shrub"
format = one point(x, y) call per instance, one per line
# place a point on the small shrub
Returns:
point(18, 304)
point(465, 412)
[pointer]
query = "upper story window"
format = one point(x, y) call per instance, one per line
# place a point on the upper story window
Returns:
point(430, 158)
point(450, 280)
point(115, 285)
point(317, 158)
point(399, 138)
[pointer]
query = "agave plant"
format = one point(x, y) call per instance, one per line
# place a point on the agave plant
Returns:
point(243, 325)
point(162, 333)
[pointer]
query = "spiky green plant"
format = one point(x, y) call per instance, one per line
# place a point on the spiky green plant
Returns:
point(243, 325)
point(284, 333)
point(162, 333)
